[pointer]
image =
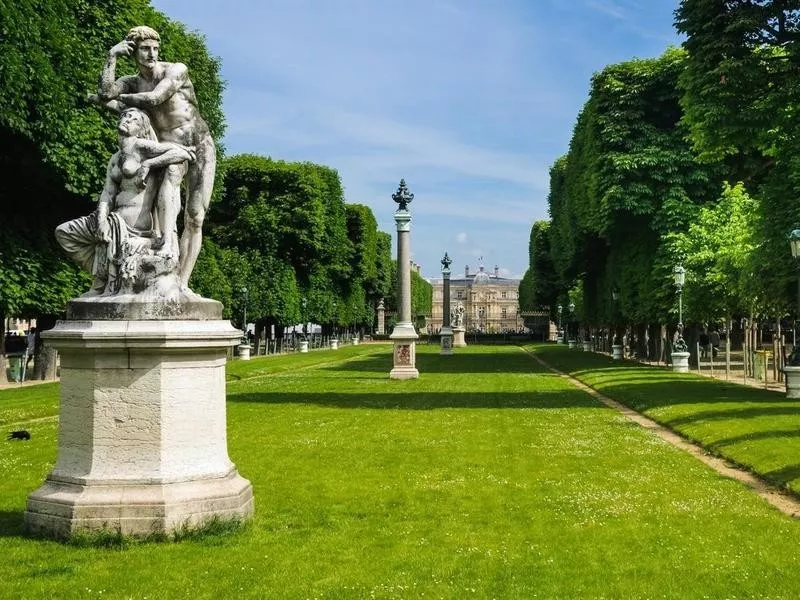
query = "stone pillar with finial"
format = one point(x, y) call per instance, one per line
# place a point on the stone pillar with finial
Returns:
point(381, 318)
point(404, 335)
point(446, 334)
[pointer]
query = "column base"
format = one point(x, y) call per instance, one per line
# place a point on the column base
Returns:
point(458, 337)
point(680, 362)
point(446, 337)
point(142, 443)
point(792, 375)
point(59, 509)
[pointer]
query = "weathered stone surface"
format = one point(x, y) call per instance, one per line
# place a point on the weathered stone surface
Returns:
point(133, 307)
point(142, 432)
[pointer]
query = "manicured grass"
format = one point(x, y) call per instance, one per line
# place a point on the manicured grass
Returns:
point(755, 428)
point(488, 477)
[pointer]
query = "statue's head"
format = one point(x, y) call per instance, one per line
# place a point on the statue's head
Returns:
point(134, 122)
point(148, 44)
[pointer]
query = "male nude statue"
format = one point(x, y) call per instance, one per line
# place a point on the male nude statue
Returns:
point(165, 91)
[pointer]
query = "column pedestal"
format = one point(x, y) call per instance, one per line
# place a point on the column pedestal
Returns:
point(446, 335)
point(792, 375)
point(404, 362)
point(680, 362)
point(142, 431)
point(458, 337)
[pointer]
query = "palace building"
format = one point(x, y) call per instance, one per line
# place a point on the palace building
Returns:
point(491, 302)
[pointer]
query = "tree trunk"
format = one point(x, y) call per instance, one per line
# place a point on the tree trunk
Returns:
point(45, 365)
point(3, 360)
point(641, 341)
point(259, 337)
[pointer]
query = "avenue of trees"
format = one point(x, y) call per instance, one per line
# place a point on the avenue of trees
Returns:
point(282, 230)
point(691, 158)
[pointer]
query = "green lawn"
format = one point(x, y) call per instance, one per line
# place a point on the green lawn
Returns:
point(488, 477)
point(757, 429)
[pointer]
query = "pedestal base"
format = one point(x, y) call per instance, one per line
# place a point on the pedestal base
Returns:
point(334, 344)
point(142, 432)
point(572, 344)
point(458, 337)
point(244, 351)
point(60, 508)
point(446, 337)
point(404, 337)
point(304, 346)
point(680, 362)
point(616, 352)
point(792, 375)
point(587, 346)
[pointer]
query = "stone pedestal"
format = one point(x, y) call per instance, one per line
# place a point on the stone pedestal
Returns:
point(587, 346)
point(680, 362)
point(572, 344)
point(355, 340)
point(404, 360)
point(243, 351)
point(334, 344)
point(142, 433)
point(458, 337)
point(446, 335)
point(792, 375)
point(616, 352)
point(303, 346)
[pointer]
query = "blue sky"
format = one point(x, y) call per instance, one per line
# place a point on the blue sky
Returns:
point(470, 101)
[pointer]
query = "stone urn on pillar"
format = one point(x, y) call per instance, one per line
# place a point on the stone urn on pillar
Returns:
point(404, 334)
point(446, 332)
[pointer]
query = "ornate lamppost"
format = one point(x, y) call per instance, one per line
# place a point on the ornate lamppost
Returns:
point(792, 368)
point(680, 352)
point(334, 340)
point(404, 335)
point(446, 334)
point(244, 346)
point(559, 333)
point(616, 340)
point(570, 339)
point(304, 341)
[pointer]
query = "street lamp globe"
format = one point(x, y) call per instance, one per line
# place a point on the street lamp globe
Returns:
point(794, 243)
point(680, 276)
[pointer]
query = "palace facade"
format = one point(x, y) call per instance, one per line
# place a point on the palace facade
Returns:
point(491, 302)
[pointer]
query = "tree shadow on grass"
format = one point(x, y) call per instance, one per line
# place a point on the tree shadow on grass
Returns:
point(12, 523)
point(755, 436)
point(736, 413)
point(784, 475)
point(474, 362)
point(413, 400)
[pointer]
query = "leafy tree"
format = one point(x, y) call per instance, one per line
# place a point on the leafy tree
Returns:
point(628, 180)
point(55, 145)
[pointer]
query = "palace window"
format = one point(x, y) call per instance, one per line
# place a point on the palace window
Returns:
point(505, 313)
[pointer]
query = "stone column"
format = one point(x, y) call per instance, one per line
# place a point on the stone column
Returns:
point(404, 335)
point(381, 318)
point(446, 333)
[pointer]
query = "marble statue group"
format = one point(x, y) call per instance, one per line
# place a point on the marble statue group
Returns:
point(130, 243)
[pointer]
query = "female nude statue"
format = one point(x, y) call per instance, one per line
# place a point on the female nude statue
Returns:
point(129, 225)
